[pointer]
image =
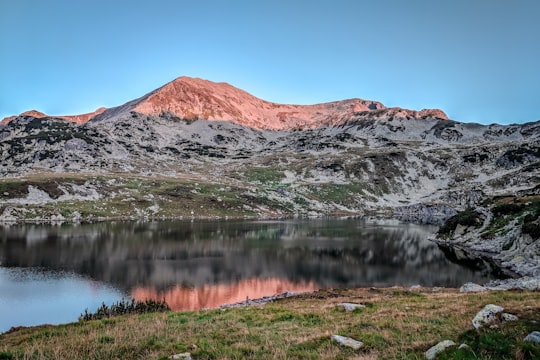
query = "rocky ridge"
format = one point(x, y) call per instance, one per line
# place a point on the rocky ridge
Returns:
point(197, 99)
point(77, 119)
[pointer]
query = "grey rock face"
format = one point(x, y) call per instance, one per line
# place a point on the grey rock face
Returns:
point(424, 168)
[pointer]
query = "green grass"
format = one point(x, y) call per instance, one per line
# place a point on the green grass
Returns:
point(396, 324)
point(132, 197)
point(264, 175)
point(344, 194)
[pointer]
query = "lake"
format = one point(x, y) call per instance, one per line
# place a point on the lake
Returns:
point(52, 273)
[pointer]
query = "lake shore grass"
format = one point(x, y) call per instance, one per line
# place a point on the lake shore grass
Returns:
point(396, 323)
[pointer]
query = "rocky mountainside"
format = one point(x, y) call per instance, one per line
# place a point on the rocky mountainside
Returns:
point(197, 148)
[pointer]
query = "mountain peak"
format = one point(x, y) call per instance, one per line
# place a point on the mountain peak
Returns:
point(194, 98)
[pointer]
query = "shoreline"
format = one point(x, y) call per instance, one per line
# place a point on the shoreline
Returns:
point(525, 283)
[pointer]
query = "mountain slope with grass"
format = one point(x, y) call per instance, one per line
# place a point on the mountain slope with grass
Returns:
point(416, 167)
point(204, 149)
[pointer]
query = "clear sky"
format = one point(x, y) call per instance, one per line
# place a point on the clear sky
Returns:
point(478, 60)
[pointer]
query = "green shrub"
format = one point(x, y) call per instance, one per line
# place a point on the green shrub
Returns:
point(6, 355)
point(507, 209)
point(532, 229)
point(125, 307)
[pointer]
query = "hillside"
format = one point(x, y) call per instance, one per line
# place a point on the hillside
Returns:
point(197, 148)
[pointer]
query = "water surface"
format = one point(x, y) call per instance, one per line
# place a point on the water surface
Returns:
point(50, 274)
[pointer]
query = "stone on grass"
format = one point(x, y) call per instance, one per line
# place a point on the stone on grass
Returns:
point(487, 316)
point(505, 317)
point(347, 341)
point(464, 346)
point(472, 287)
point(534, 337)
point(439, 348)
point(183, 356)
point(351, 306)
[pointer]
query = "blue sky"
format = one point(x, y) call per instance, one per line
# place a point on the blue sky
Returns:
point(478, 60)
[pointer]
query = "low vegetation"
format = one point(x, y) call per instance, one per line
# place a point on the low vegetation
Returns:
point(258, 191)
point(395, 324)
point(125, 307)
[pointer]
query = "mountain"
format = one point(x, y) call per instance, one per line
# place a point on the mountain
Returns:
point(194, 148)
point(191, 99)
point(198, 148)
point(77, 119)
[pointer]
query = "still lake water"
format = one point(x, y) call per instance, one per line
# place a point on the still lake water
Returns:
point(51, 274)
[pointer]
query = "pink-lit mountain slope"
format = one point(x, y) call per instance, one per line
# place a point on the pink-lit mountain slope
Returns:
point(78, 119)
point(193, 98)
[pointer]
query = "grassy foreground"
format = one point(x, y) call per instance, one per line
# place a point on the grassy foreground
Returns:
point(395, 324)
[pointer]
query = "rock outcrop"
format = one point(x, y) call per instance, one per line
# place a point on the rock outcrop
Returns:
point(505, 231)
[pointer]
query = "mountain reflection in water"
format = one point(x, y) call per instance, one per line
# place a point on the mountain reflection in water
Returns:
point(205, 263)
point(212, 296)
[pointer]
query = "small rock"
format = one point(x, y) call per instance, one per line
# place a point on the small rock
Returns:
point(183, 356)
point(440, 347)
point(351, 306)
point(464, 346)
point(508, 317)
point(487, 316)
point(347, 341)
point(534, 337)
point(472, 287)
point(416, 287)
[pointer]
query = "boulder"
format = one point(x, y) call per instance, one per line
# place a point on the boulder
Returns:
point(487, 316)
point(183, 356)
point(472, 287)
point(351, 306)
point(440, 347)
point(347, 341)
point(534, 337)
point(505, 317)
